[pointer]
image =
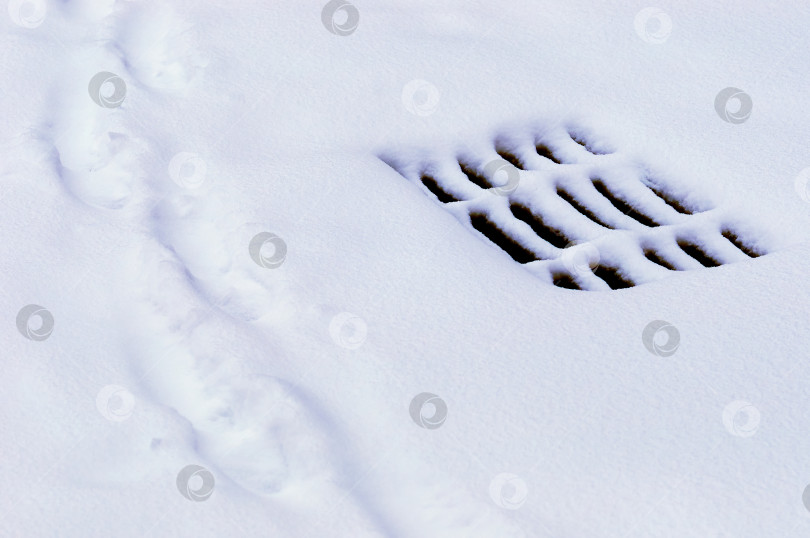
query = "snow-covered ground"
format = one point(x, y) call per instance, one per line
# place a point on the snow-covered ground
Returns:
point(248, 288)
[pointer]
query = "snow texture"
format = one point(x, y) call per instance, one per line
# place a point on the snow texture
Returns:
point(406, 269)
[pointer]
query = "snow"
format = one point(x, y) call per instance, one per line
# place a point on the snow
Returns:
point(251, 284)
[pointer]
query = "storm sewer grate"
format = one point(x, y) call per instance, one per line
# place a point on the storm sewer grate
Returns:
point(567, 216)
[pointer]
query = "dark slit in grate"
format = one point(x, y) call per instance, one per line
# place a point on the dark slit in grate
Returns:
point(544, 231)
point(699, 254)
point(545, 151)
point(490, 230)
point(737, 242)
point(582, 142)
point(511, 158)
point(474, 176)
point(621, 205)
point(671, 201)
point(612, 277)
point(434, 187)
point(654, 257)
point(563, 280)
point(573, 202)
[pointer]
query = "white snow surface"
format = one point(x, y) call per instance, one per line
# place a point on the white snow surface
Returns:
point(291, 385)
